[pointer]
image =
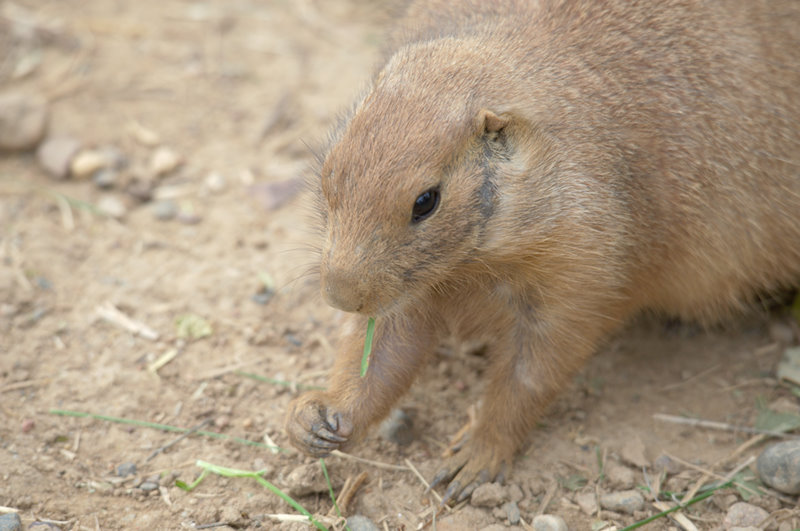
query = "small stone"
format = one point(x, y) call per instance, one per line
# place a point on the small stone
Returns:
point(148, 486)
point(140, 188)
point(665, 463)
point(85, 163)
point(494, 527)
point(627, 501)
point(105, 178)
point(55, 155)
point(744, 515)
point(620, 476)
point(23, 120)
point(397, 428)
point(633, 452)
point(779, 467)
point(163, 161)
point(126, 469)
point(587, 502)
point(307, 479)
point(515, 493)
point(222, 421)
point(512, 512)
point(549, 522)
point(358, 522)
point(112, 207)
point(10, 522)
point(165, 210)
point(215, 182)
point(488, 495)
point(27, 425)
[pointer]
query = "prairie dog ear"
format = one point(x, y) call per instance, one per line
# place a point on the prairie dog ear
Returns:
point(489, 122)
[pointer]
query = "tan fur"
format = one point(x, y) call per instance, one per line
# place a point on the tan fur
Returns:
point(595, 159)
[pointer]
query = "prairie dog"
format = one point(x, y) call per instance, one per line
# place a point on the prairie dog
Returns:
point(537, 173)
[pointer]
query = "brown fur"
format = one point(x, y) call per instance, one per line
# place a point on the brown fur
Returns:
point(595, 159)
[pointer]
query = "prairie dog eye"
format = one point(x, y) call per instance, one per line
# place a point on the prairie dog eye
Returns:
point(425, 205)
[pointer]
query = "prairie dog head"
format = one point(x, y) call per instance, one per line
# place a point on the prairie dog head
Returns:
point(408, 189)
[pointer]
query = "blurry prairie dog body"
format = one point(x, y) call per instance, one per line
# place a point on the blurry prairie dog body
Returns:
point(536, 173)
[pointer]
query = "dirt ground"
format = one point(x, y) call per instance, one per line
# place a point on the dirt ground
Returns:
point(239, 90)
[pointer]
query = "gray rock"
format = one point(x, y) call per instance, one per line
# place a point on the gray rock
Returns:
point(779, 466)
point(126, 469)
point(105, 178)
point(488, 495)
point(549, 522)
point(55, 155)
point(397, 428)
point(626, 501)
point(361, 523)
point(512, 512)
point(23, 120)
point(10, 522)
point(744, 515)
point(147, 486)
point(165, 210)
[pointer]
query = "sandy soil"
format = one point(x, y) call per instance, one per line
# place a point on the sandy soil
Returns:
point(240, 89)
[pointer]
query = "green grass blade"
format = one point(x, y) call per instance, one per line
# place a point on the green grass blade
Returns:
point(367, 346)
point(236, 473)
point(662, 514)
point(162, 427)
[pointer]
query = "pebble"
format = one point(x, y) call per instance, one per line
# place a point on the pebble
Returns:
point(549, 522)
point(488, 495)
point(105, 179)
point(215, 182)
point(23, 120)
point(633, 452)
point(55, 155)
point(86, 162)
point(779, 466)
point(112, 206)
point(744, 515)
point(626, 501)
point(515, 493)
point(397, 428)
point(620, 476)
point(665, 463)
point(165, 209)
point(147, 486)
point(163, 161)
point(587, 502)
point(10, 522)
point(358, 522)
point(126, 469)
point(27, 425)
point(512, 512)
point(307, 479)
